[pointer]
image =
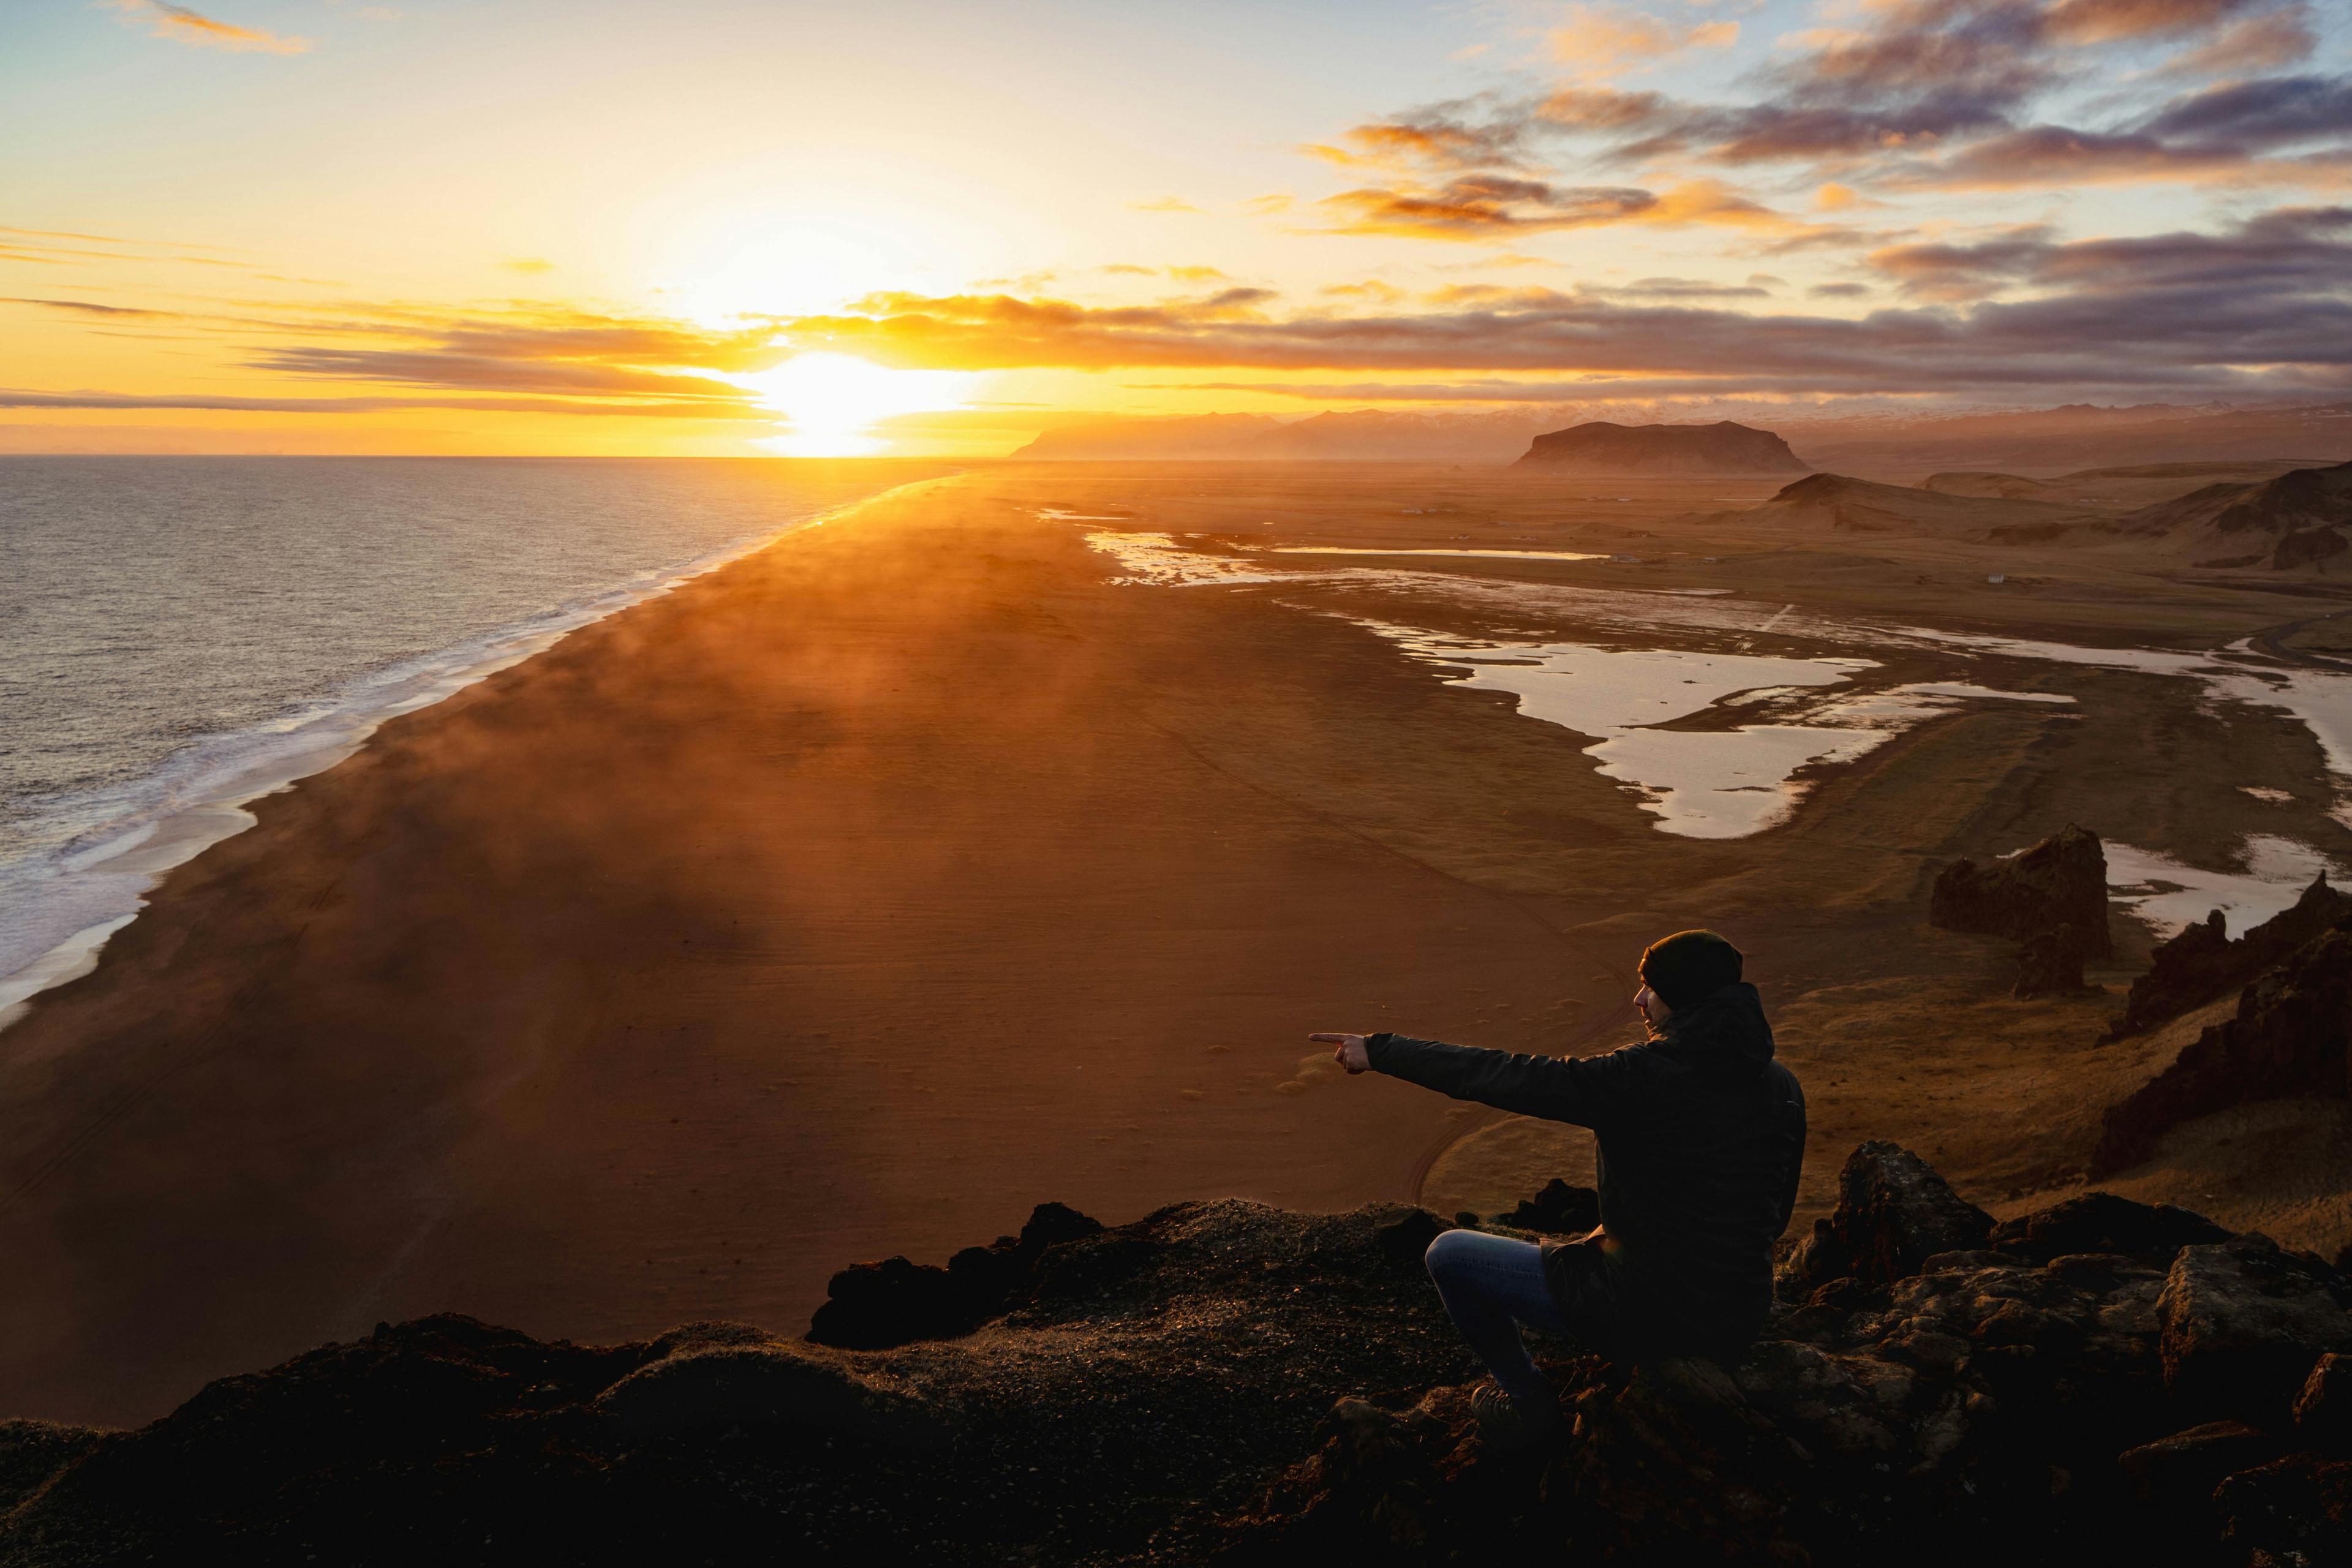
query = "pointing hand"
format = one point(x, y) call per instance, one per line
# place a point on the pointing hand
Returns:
point(1350, 1052)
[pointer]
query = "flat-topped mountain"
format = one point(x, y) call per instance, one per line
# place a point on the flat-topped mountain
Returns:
point(1722, 447)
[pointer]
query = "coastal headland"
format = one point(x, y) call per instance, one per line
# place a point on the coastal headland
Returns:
point(999, 841)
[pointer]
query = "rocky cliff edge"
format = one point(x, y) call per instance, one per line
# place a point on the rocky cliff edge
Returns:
point(1225, 1382)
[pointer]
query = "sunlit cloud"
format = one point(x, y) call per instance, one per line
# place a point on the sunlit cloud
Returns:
point(1903, 94)
point(1600, 41)
point(2266, 305)
point(166, 20)
point(1165, 205)
point(1486, 207)
point(86, 308)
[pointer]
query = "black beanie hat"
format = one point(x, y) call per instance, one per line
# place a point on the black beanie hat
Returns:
point(1689, 965)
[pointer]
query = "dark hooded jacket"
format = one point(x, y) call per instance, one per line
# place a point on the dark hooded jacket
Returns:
point(1701, 1136)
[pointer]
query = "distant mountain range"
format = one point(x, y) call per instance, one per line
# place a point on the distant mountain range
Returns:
point(1362, 436)
point(2073, 436)
point(2252, 514)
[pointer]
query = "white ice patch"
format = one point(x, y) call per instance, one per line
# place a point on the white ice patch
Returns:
point(1155, 560)
point(2319, 699)
point(1700, 783)
point(1475, 554)
point(2169, 895)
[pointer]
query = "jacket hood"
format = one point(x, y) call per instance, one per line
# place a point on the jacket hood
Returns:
point(1723, 1026)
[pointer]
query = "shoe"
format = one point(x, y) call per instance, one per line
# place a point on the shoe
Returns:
point(1505, 1424)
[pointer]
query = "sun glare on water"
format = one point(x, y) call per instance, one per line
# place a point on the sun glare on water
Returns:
point(834, 401)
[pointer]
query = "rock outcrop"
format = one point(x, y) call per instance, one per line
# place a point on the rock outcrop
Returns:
point(1979, 1400)
point(1722, 448)
point(1235, 1383)
point(2061, 882)
point(2203, 963)
point(2239, 1322)
point(2050, 964)
point(2101, 1222)
point(1894, 1213)
point(2289, 1039)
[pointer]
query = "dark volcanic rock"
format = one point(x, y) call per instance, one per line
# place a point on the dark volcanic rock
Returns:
point(873, 1306)
point(2177, 1474)
point(2293, 1511)
point(2203, 962)
point(1558, 1210)
point(2323, 1407)
point(1168, 1364)
point(1894, 1213)
point(2061, 882)
point(2098, 1223)
point(1235, 1384)
point(2243, 1323)
point(1722, 448)
point(2050, 964)
point(2289, 1039)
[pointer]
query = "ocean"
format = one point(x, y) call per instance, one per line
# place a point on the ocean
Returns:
point(179, 635)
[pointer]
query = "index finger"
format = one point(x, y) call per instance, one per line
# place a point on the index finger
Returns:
point(1330, 1039)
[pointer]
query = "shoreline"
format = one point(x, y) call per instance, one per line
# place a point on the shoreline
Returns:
point(198, 796)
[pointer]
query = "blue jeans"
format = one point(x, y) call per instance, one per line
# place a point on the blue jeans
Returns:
point(1490, 1285)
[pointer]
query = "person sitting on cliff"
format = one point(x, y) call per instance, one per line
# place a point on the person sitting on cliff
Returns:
point(1700, 1136)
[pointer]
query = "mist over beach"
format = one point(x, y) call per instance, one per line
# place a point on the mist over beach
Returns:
point(695, 711)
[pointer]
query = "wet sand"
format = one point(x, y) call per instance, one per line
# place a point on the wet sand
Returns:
point(858, 896)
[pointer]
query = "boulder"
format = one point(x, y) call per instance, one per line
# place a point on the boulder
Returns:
point(2203, 962)
point(2104, 1223)
point(2241, 1323)
point(2061, 882)
point(1558, 1210)
point(2177, 1474)
point(2290, 1038)
point(1893, 1214)
point(2323, 1408)
point(2050, 964)
point(2288, 1513)
point(1676, 1457)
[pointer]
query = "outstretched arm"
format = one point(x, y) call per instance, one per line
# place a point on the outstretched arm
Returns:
point(1558, 1088)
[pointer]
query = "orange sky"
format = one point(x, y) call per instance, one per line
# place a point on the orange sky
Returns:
point(744, 227)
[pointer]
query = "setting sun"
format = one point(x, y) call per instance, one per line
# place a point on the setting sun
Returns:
point(834, 401)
